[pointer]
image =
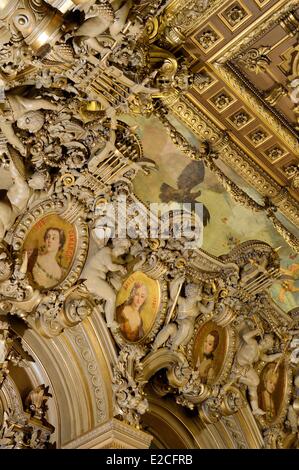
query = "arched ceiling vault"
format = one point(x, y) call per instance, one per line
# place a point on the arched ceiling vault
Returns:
point(77, 367)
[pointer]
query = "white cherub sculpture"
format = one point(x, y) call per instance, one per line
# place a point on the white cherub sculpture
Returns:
point(95, 275)
point(19, 194)
point(15, 201)
point(110, 15)
point(3, 350)
point(26, 113)
point(4, 341)
point(189, 308)
point(250, 352)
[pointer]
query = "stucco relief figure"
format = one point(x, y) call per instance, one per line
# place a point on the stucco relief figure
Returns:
point(206, 367)
point(269, 383)
point(5, 266)
point(189, 308)
point(3, 350)
point(5, 341)
point(293, 411)
point(15, 201)
point(110, 16)
point(20, 194)
point(250, 352)
point(95, 275)
point(25, 112)
point(128, 313)
point(44, 263)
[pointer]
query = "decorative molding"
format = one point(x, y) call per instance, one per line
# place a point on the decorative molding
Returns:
point(265, 23)
point(230, 76)
point(113, 434)
point(187, 16)
point(93, 373)
point(234, 157)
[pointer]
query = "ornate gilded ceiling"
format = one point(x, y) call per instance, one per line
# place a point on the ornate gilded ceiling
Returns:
point(116, 326)
point(245, 60)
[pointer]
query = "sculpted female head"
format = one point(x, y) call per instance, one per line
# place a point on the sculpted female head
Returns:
point(32, 121)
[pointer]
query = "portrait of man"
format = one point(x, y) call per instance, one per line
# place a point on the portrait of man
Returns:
point(206, 365)
point(209, 351)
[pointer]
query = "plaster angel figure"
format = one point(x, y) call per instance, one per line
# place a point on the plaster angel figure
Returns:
point(109, 16)
point(3, 350)
point(4, 342)
point(189, 308)
point(95, 275)
point(15, 201)
point(19, 194)
point(26, 113)
point(249, 353)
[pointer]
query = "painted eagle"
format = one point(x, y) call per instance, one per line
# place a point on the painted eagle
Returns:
point(192, 175)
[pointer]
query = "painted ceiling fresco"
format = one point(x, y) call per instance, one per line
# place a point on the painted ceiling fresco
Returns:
point(226, 222)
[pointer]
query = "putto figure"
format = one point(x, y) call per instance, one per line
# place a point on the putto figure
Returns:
point(189, 308)
point(250, 352)
point(95, 273)
point(26, 113)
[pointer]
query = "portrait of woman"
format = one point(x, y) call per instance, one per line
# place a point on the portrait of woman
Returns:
point(271, 389)
point(128, 314)
point(44, 263)
point(205, 366)
point(209, 350)
point(269, 382)
point(50, 247)
point(137, 305)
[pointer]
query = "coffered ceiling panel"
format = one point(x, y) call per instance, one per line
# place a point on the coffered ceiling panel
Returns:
point(245, 55)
